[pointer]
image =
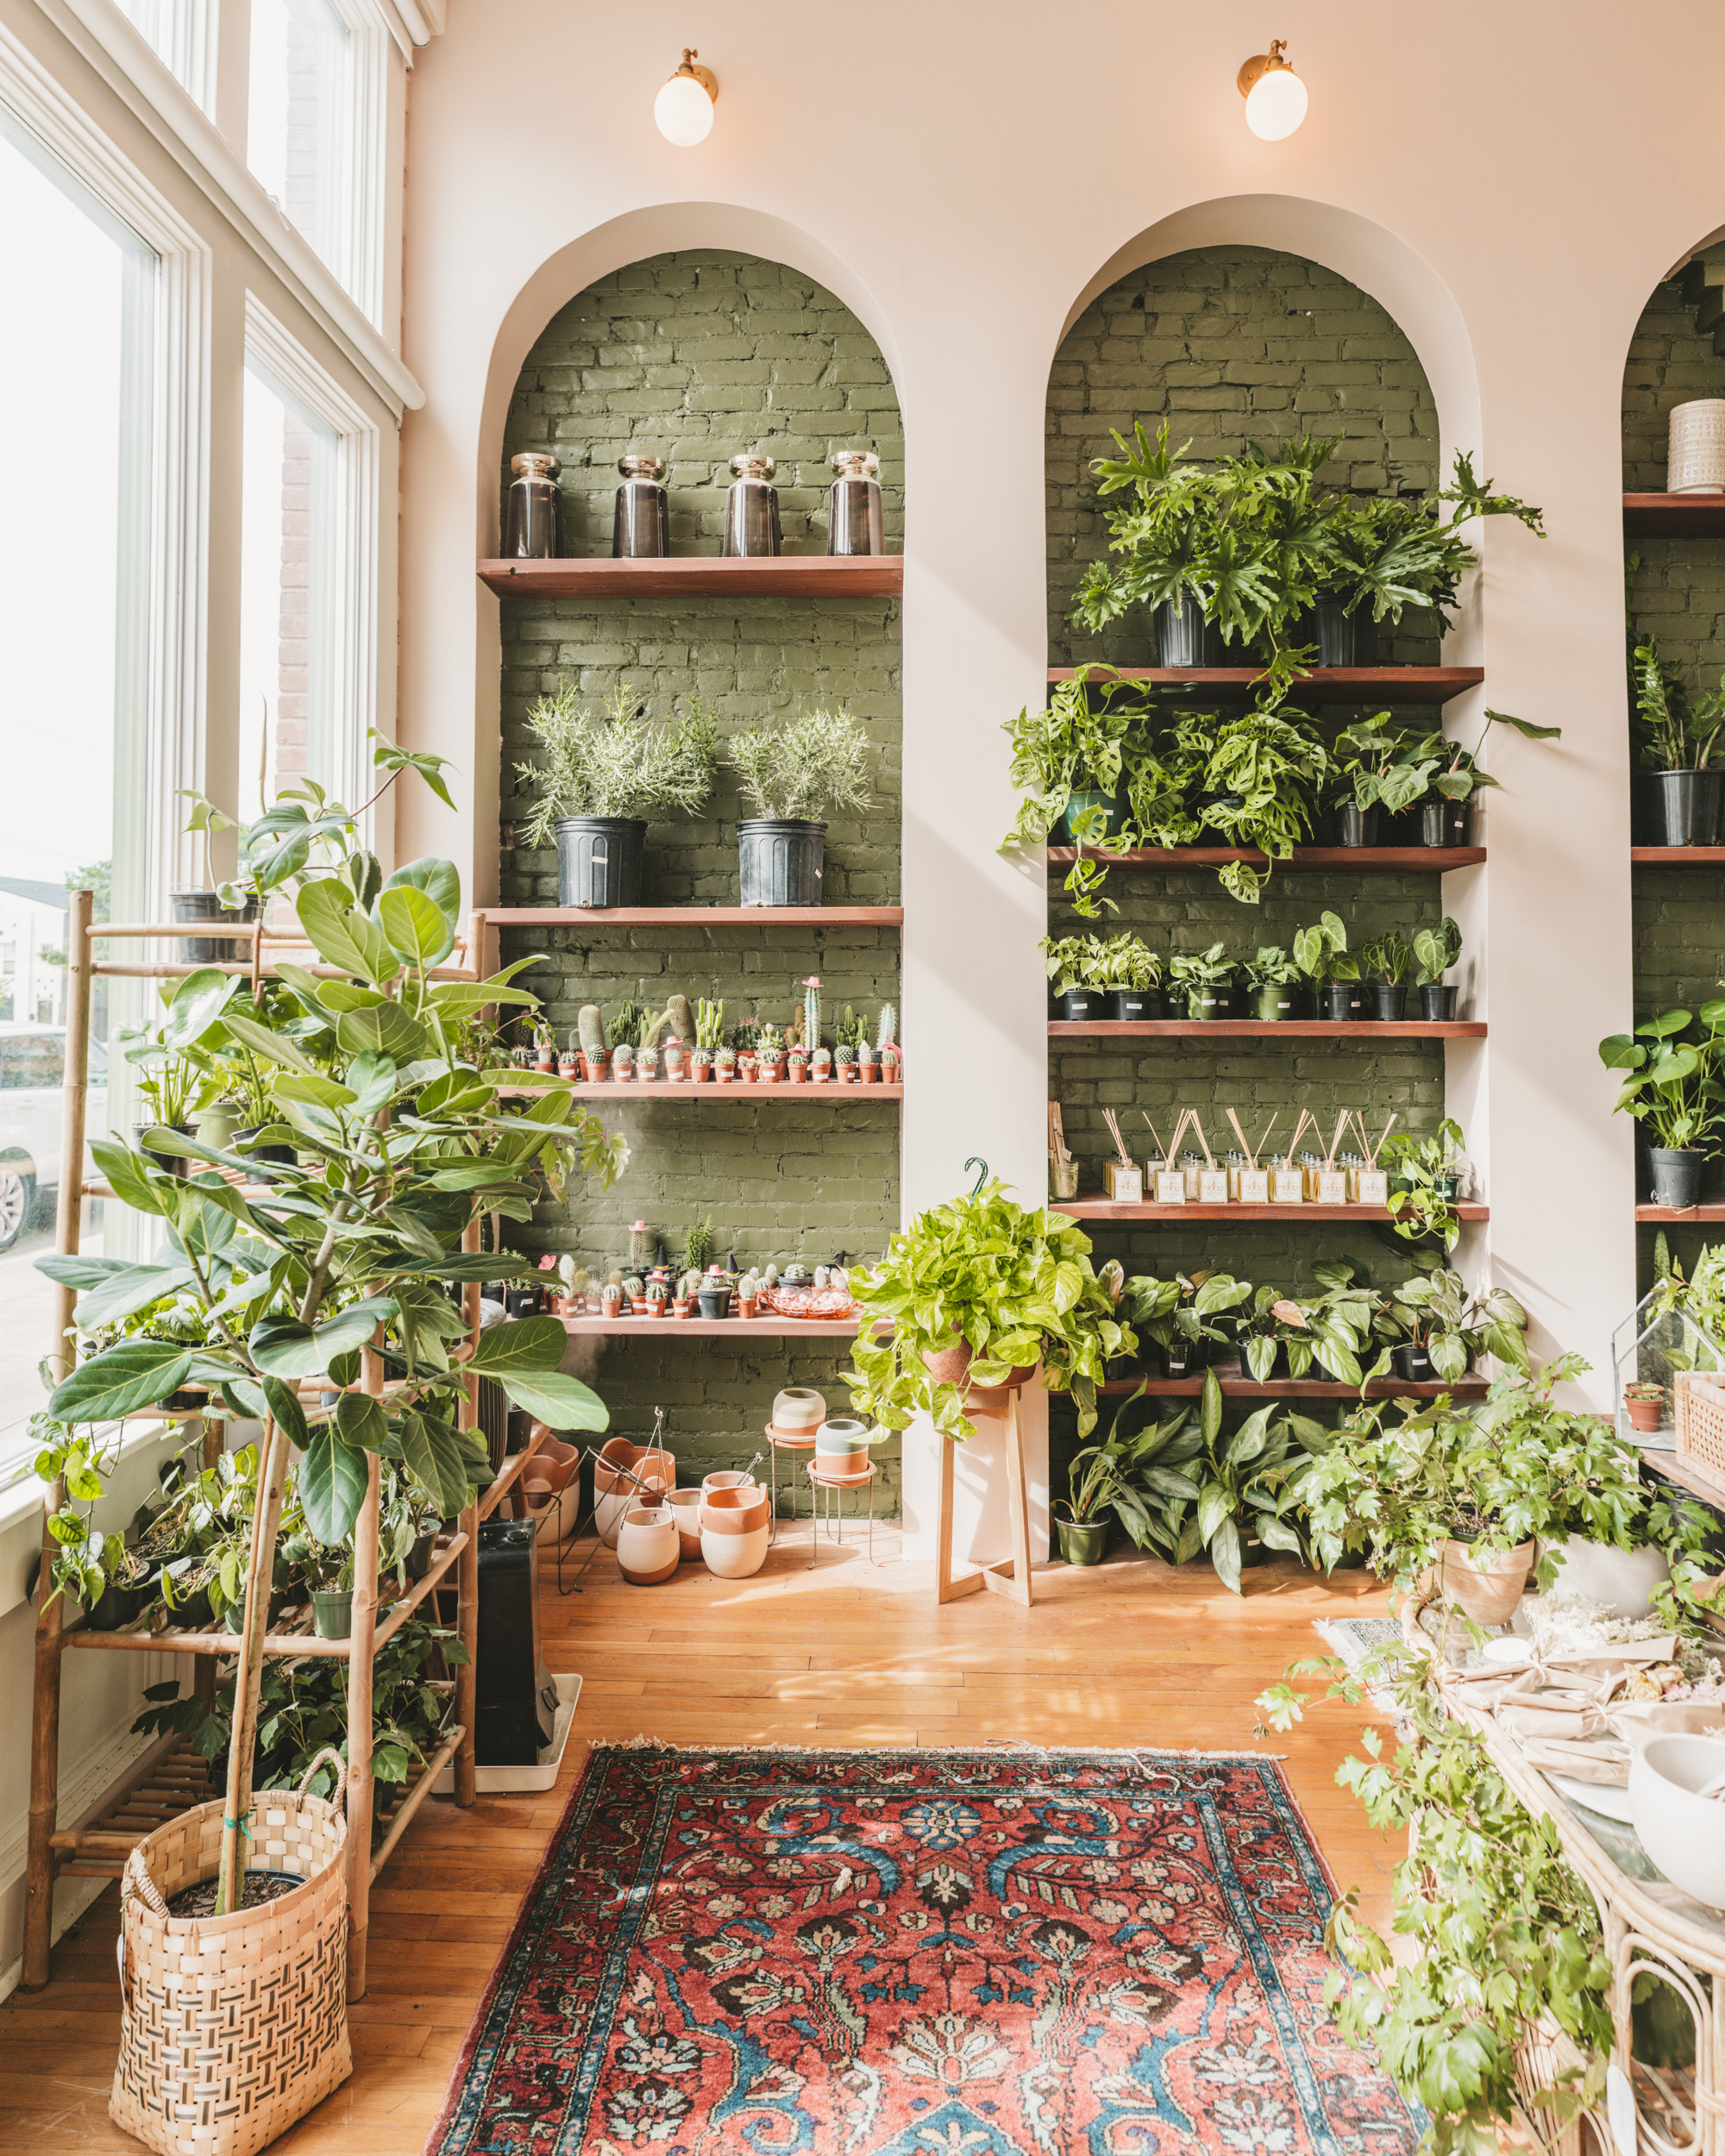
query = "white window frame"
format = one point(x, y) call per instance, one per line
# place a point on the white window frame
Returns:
point(186, 44)
point(352, 575)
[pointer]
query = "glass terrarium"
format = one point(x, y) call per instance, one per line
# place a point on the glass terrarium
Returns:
point(1650, 1346)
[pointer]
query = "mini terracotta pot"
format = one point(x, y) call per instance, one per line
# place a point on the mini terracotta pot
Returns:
point(544, 1062)
point(745, 1306)
point(724, 1073)
point(646, 1073)
point(821, 1074)
point(1645, 1412)
point(798, 1073)
point(595, 1069)
point(701, 1073)
point(568, 1067)
point(847, 1075)
point(680, 1306)
point(871, 1074)
point(768, 1075)
point(685, 1504)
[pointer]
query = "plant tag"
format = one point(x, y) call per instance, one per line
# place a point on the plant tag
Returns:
point(1371, 1187)
point(1212, 1185)
point(1331, 1186)
point(1171, 1187)
point(1287, 1186)
point(1124, 1185)
point(1254, 1187)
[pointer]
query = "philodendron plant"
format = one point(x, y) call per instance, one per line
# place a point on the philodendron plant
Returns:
point(1016, 1287)
point(321, 1273)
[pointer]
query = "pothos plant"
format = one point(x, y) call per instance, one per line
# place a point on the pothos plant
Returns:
point(1074, 747)
point(1423, 1171)
point(339, 1264)
point(1014, 1288)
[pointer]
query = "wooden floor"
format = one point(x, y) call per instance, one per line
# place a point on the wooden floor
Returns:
point(1128, 1654)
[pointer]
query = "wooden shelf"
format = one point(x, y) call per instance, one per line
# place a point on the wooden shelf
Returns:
point(1308, 1213)
point(1675, 515)
point(1265, 1029)
point(697, 916)
point(783, 576)
point(1324, 685)
point(1361, 860)
point(1469, 1388)
point(1677, 856)
point(744, 1328)
point(827, 1090)
point(1663, 1214)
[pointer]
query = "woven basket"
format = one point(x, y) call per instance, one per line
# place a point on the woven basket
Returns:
point(1695, 453)
point(1698, 1412)
point(233, 2026)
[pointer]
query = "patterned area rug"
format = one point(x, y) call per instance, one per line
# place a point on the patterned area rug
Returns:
point(921, 1954)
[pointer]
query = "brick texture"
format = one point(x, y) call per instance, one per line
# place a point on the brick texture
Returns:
point(695, 357)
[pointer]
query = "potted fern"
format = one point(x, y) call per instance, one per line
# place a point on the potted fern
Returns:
point(603, 776)
point(794, 774)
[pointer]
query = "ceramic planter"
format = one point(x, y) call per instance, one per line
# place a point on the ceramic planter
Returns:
point(675, 1071)
point(715, 1301)
point(1082, 1541)
point(1081, 802)
point(798, 1411)
point(951, 1366)
point(623, 1064)
point(1677, 1176)
point(686, 1505)
point(727, 1478)
point(626, 1475)
point(332, 1612)
point(735, 1527)
point(1486, 1588)
point(1679, 1830)
point(681, 1307)
point(847, 1073)
point(648, 1547)
point(769, 1071)
point(841, 1446)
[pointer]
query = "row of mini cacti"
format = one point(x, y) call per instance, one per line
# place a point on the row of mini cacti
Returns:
point(636, 1029)
point(641, 1292)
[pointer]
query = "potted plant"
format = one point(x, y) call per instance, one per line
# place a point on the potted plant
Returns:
point(891, 1064)
point(1204, 977)
point(1435, 950)
point(769, 1051)
point(602, 777)
point(1321, 954)
point(1436, 1329)
point(1425, 1183)
point(1644, 1404)
point(1272, 980)
point(1390, 960)
point(980, 1294)
point(1240, 1482)
point(568, 1059)
point(1444, 812)
point(1069, 762)
point(714, 1291)
point(1383, 772)
point(796, 1065)
point(852, 1033)
point(1186, 1317)
point(794, 774)
point(1077, 974)
point(1672, 1084)
point(1260, 776)
point(1678, 749)
point(594, 1043)
point(1131, 972)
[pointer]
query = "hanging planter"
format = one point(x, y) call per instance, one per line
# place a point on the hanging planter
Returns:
point(232, 2027)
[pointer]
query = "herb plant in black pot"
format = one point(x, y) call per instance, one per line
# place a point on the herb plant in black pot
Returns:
point(603, 775)
point(795, 774)
point(1672, 1085)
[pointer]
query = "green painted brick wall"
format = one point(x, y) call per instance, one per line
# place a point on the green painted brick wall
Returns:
point(695, 357)
point(1229, 344)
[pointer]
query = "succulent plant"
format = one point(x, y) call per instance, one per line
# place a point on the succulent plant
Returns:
point(725, 1055)
point(889, 1026)
point(797, 1274)
point(590, 1034)
point(743, 1036)
point(865, 1054)
point(698, 1245)
point(770, 1041)
point(633, 1288)
point(623, 1058)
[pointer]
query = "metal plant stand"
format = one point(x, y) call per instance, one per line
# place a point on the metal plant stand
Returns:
point(834, 1486)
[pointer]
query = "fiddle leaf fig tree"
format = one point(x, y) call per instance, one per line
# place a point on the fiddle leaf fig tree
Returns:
point(310, 1279)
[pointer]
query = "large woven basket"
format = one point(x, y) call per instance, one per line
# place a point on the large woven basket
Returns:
point(1698, 1413)
point(1695, 455)
point(233, 2026)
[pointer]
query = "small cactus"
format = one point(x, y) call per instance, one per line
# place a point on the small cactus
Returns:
point(686, 1287)
point(633, 1287)
point(865, 1054)
point(771, 1276)
point(725, 1057)
point(623, 1059)
point(844, 1054)
point(709, 1023)
point(681, 1018)
point(889, 1026)
point(823, 1274)
point(698, 1245)
point(811, 1012)
point(590, 1034)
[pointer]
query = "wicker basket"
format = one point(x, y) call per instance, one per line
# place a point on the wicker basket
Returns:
point(1698, 1411)
point(1695, 453)
point(233, 2026)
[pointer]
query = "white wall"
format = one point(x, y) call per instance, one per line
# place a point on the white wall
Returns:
point(1510, 184)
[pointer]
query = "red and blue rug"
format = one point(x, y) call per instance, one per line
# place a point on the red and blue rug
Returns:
point(921, 1954)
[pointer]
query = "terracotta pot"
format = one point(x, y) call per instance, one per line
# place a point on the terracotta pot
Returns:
point(724, 1073)
point(686, 1505)
point(544, 1062)
point(847, 1073)
point(1486, 1589)
point(841, 1446)
point(798, 1073)
point(769, 1074)
point(951, 1366)
point(554, 1461)
point(735, 1512)
point(595, 1069)
point(648, 1547)
point(653, 1471)
point(798, 1410)
point(821, 1072)
point(1645, 1414)
point(701, 1073)
point(745, 1306)
point(646, 1073)
point(568, 1067)
point(679, 1307)
point(728, 1557)
point(871, 1074)
point(728, 1478)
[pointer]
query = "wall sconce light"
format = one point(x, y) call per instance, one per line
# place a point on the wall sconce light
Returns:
point(682, 111)
point(1275, 95)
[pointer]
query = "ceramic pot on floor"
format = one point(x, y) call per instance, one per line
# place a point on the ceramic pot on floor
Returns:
point(626, 1475)
point(1624, 1580)
point(737, 1525)
point(686, 1505)
point(648, 1547)
point(1488, 1587)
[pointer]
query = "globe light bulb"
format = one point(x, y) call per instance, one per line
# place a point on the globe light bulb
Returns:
point(682, 111)
point(1275, 95)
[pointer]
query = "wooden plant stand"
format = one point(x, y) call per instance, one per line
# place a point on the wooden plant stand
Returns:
point(1009, 1576)
point(162, 1783)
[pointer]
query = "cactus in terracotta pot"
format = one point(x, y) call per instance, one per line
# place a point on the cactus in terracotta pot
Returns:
point(811, 1012)
point(622, 1060)
point(844, 1059)
point(821, 1064)
point(724, 1063)
point(681, 1020)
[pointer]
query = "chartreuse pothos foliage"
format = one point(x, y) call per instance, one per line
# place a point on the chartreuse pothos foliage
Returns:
point(376, 1080)
point(1016, 1287)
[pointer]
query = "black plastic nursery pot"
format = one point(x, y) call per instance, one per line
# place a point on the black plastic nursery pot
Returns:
point(1677, 1176)
point(117, 1605)
point(1445, 823)
point(598, 860)
point(1356, 826)
point(170, 1163)
point(1187, 1358)
point(1274, 1004)
point(1083, 1541)
point(1076, 1005)
point(1685, 806)
point(1341, 1002)
point(1136, 1003)
point(210, 951)
point(1343, 639)
point(715, 1302)
point(781, 861)
point(1412, 1364)
point(1437, 1004)
point(281, 1156)
point(1389, 1001)
point(1183, 638)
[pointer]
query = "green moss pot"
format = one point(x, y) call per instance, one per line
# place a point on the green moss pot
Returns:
point(1083, 1541)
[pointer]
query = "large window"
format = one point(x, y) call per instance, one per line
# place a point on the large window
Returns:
point(74, 611)
point(182, 33)
point(302, 124)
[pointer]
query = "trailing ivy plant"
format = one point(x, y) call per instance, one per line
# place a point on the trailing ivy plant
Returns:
point(1015, 1287)
point(1074, 745)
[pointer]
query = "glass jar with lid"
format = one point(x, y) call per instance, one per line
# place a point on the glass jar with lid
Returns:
point(855, 522)
point(752, 508)
point(530, 524)
point(641, 525)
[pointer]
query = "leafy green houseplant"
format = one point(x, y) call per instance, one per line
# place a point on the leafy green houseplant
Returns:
point(1435, 950)
point(1270, 973)
point(1383, 765)
point(329, 1270)
point(1186, 1317)
point(614, 762)
point(1321, 953)
point(1672, 1085)
point(803, 769)
point(1203, 977)
point(1068, 761)
point(1242, 1481)
point(980, 1292)
point(1437, 1326)
point(1259, 776)
point(1424, 1176)
point(1116, 1476)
